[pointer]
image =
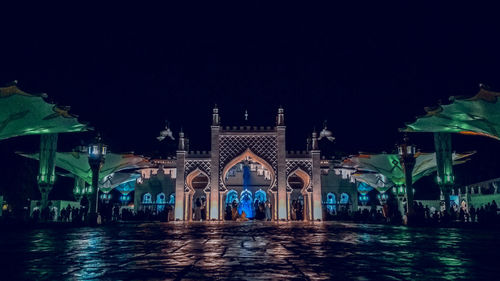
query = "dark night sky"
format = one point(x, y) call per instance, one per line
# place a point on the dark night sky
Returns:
point(365, 69)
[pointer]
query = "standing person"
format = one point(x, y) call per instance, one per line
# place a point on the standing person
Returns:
point(472, 212)
point(234, 211)
point(197, 210)
point(268, 210)
point(203, 209)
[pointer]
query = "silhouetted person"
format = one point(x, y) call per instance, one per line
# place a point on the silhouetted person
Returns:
point(472, 212)
point(197, 210)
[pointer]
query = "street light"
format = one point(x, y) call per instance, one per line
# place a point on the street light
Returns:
point(96, 152)
point(406, 152)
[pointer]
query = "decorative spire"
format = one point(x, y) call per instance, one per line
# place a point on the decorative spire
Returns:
point(215, 116)
point(280, 119)
point(182, 141)
point(314, 139)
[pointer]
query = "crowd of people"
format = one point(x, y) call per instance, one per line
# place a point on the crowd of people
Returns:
point(238, 211)
point(423, 215)
point(68, 214)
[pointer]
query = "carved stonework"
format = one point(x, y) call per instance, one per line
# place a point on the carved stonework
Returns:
point(193, 164)
point(232, 146)
point(304, 164)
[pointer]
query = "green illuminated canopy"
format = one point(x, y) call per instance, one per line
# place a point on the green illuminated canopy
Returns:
point(114, 180)
point(382, 171)
point(126, 188)
point(478, 115)
point(26, 114)
point(77, 163)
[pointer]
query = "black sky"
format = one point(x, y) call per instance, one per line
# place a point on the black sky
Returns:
point(367, 69)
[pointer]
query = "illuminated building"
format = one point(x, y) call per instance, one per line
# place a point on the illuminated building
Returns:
point(246, 163)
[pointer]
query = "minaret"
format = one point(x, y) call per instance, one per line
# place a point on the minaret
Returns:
point(280, 119)
point(180, 180)
point(316, 178)
point(215, 116)
point(281, 155)
point(213, 202)
point(314, 140)
point(182, 141)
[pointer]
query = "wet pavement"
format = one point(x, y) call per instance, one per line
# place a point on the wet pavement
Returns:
point(249, 250)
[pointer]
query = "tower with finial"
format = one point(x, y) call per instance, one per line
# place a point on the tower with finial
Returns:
point(280, 119)
point(314, 139)
point(182, 141)
point(215, 116)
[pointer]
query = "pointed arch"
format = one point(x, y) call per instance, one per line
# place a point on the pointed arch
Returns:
point(260, 195)
point(232, 195)
point(304, 176)
point(241, 157)
point(192, 175)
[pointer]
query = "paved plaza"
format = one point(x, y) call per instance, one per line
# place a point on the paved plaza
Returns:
point(248, 250)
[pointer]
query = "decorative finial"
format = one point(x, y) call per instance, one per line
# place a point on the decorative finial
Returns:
point(182, 141)
point(314, 139)
point(246, 115)
point(215, 116)
point(280, 119)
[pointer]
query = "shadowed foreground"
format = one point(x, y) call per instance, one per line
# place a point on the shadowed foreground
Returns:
point(250, 250)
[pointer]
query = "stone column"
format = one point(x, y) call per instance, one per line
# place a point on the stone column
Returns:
point(281, 177)
point(46, 174)
point(179, 185)
point(316, 183)
point(214, 173)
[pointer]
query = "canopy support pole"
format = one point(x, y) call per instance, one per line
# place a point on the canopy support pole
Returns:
point(445, 178)
point(46, 173)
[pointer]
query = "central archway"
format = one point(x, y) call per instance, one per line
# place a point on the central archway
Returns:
point(248, 154)
point(246, 174)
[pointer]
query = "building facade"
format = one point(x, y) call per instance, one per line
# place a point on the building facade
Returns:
point(245, 164)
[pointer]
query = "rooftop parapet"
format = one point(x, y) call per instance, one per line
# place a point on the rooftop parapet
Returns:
point(197, 153)
point(298, 154)
point(170, 162)
point(248, 129)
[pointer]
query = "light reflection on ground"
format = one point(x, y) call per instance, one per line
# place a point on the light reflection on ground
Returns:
point(249, 250)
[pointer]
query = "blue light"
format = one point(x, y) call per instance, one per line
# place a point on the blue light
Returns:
point(246, 201)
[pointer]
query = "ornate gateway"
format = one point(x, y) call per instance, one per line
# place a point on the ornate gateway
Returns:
point(207, 177)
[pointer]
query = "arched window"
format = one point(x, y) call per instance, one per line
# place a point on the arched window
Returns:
point(160, 202)
point(344, 198)
point(172, 199)
point(160, 198)
point(331, 203)
point(146, 199)
point(246, 203)
point(261, 196)
point(232, 196)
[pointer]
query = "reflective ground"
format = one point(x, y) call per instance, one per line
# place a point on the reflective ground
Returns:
point(249, 250)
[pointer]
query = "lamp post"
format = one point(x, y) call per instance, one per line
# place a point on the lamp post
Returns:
point(96, 152)
point(406, 152)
